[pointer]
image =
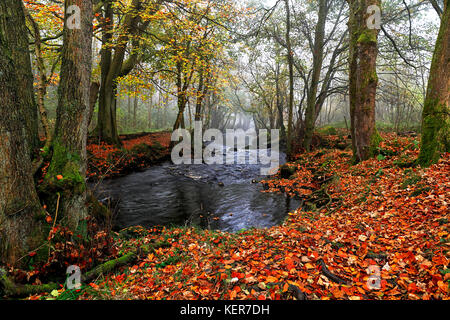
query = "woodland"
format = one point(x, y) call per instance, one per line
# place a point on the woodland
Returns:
point(92, 90)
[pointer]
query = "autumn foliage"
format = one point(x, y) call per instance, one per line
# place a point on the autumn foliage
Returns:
point(383, 217)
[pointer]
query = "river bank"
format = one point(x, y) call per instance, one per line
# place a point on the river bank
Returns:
point(383, 220)
point(139, 151)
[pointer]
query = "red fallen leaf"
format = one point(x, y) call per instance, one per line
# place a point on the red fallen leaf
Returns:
point(262, 297)
point(238, 275)
point(412, 287)
point(94, 286)
point(443, 287)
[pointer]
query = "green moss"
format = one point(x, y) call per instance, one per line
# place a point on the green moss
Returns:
point(412, 180)
point(367, 36)
point(65, 165)
point(435, 133)
point(97, 209)
point(375, 141)
point(328, 130)
point(82, 230)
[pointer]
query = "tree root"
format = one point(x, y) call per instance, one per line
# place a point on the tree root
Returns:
point(300, 295)
point(330, 275)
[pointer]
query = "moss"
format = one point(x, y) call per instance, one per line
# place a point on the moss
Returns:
point(435, 133)
point(97, 209)
point(412, 180)
point(419, 191)
point(328, 130)
point(367, 36)
point(40, 215)
point(64, 165)
point(375, 141)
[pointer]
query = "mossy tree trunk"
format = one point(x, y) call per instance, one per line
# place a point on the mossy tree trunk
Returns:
point(363, 80)
point(69, 139)
point(436, 113)
point(20, 211)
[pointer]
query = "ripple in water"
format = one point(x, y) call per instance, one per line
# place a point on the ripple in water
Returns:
point(190, 195)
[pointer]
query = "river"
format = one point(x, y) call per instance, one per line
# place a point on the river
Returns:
point(218, 197)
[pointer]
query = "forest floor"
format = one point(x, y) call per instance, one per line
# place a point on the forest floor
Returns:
point(375, 230)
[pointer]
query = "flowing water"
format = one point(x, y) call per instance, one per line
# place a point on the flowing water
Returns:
point(219, 197)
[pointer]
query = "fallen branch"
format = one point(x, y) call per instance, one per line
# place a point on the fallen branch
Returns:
point(330, 275)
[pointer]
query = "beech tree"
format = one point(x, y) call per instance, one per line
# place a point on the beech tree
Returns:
point(65, 180)
point(436, 113)
point(20, 229)
point(363, 79)
point(115, 62)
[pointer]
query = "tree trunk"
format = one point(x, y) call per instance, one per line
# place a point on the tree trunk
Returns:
point(290, 58)
point(135, 107)
point(150, 107)
point(363, 80)
point(310, 114)
point(279, 103)
point(93, 97)
point(115, 66)
point(20, 214)
point(69, 140)
point(43, 80)
point(436, 113)
point(13, 23)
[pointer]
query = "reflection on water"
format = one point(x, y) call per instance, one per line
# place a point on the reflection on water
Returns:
point(190, 194)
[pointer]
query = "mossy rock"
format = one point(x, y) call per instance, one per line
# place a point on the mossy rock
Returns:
point(404, 162)
point(142, 148)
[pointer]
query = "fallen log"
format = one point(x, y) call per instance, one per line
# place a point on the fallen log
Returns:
point(11, 289)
